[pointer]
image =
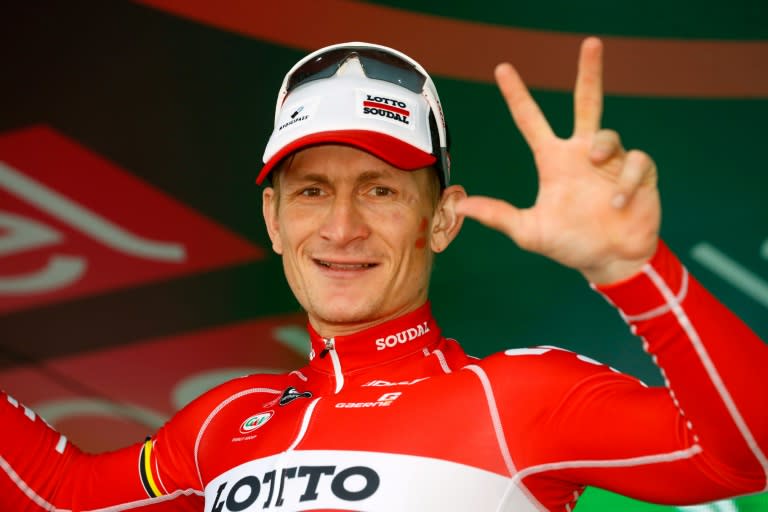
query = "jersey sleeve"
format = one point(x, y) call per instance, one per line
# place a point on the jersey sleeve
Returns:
point(713, 367)
point(41, 470)
point(700, 437)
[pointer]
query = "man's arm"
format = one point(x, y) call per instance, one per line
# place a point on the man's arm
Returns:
point(598, 211)
point(713, 368)
point(41, 470)
point(570, 421)
point(701, 437)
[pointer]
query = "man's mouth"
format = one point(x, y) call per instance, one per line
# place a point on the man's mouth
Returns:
point(335, 265)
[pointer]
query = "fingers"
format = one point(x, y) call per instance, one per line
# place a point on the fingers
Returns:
point(526, 113)
point(494, 213)
point(588, 94)
point(605, 145)
point(638, 169)
point(588, 97)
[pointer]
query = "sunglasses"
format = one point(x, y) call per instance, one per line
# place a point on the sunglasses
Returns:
point(376, 64)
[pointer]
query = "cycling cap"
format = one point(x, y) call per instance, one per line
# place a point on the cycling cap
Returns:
point(363, 95)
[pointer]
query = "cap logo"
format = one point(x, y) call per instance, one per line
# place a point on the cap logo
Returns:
point(294, 115)
point(295, 118)
point(388, 108)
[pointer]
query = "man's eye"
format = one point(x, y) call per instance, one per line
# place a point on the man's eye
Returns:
point(381, 191)
point(311, 192)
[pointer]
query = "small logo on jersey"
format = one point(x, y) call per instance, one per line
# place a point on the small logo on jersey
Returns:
point(291, 394)
point(255, 421)
point(386, 383)
point(384, 400)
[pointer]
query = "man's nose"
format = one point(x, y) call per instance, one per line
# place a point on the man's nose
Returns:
point(344, 222)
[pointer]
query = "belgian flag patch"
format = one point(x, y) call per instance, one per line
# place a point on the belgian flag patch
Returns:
point(145, 470)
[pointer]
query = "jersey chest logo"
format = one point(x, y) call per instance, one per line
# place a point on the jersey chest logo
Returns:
point(255, 421)
point(291, 394)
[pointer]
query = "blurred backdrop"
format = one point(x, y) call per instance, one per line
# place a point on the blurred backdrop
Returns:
point(134, 268)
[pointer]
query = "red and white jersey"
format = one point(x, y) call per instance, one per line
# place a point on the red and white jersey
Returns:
point(398, 417)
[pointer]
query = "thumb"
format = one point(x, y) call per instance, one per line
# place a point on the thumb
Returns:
point(494, 213)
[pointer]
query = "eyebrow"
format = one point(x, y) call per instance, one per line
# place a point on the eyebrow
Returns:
point(361, 178)
point(372, 175)
point(322, 178)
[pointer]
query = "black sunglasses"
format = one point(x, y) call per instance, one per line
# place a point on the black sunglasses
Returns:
point(376, 64)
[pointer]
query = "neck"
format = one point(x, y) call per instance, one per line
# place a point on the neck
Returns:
point(386, 341)
point(331, 329)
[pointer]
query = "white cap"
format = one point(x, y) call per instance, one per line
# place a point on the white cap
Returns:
point(382, 118)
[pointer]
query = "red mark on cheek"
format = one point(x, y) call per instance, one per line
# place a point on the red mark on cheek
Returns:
point(421, 242)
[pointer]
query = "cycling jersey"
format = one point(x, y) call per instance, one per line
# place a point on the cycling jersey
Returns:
point(398, 417)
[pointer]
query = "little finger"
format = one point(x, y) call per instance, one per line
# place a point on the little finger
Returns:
point(638, 169)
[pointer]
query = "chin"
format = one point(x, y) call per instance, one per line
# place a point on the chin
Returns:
point(345, 316)
point(345, 311)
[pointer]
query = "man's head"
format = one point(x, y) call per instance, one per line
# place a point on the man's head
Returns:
point(360, 200)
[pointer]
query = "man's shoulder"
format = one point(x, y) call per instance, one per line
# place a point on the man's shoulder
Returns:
point(185, 426)
point(539, 354)
point(264, 383)
point(536, 379)
point(542, 364)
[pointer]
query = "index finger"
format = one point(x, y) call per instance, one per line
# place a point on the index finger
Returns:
point(588, 93)
point(526, 113)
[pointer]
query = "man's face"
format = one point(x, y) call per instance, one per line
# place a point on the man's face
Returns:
point(355, 235)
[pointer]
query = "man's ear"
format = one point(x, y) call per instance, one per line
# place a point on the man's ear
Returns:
point(269, 210)
point(446, 223)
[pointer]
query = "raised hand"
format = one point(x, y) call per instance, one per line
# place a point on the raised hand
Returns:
point(597, 208)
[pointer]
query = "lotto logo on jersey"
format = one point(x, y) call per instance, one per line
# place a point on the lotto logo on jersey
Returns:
point(306, 479)
point(74, 224)
point(304, 484)
point(255, 421)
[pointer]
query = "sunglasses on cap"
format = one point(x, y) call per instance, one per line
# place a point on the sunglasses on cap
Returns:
point(378, 63)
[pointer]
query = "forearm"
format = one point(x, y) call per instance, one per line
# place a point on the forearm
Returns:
point(711, 361)
point(42, 470)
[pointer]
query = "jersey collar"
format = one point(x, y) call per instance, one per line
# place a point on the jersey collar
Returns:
point(412, 332)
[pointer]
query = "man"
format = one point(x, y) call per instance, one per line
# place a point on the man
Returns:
point(389, 414)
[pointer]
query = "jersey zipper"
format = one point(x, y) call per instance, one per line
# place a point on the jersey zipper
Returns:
point(331, 349)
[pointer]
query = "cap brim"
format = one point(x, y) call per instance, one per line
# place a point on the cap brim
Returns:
point(390, 149)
